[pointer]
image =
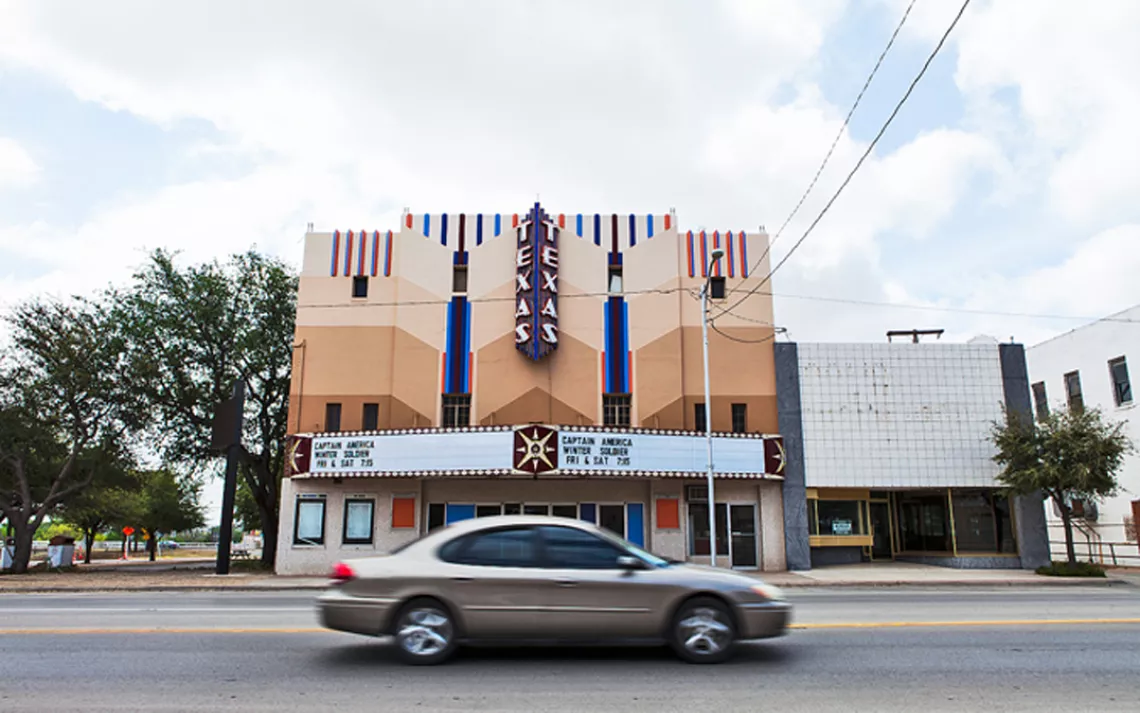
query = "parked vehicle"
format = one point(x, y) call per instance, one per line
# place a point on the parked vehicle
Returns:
point(532, 579)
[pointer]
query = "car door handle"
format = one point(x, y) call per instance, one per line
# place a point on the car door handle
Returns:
point(565, 582)
point(461, 579)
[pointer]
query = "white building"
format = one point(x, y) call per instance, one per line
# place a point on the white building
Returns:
point(1091, 366)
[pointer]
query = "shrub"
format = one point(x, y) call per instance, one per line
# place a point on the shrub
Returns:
point(1077, 569)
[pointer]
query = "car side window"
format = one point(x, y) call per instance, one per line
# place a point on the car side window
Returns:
point(570, 548)
point(514, 547)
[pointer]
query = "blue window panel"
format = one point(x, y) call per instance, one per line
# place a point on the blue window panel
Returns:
point(588, 512)
point(635, 523)
point(455, 513)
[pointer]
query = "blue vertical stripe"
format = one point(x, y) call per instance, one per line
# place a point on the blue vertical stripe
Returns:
point(335, 253)
point(579, 225)
point(427, 225)
point(588, 512)
point(635, 523)
point(649, 226)
point(443, 229)
point(465, 364)
point(498, 224)
point(455, 512)
point(632, 230)
point(607, 331)
point(597, 229)
point(448, 356)
point(479, 229)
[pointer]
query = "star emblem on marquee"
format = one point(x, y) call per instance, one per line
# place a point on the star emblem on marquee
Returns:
point(534, 451)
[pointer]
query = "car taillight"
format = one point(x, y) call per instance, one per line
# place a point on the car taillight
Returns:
point(342, 573)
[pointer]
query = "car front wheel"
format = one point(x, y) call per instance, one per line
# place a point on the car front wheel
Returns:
point(703, 631)
point(425, 632)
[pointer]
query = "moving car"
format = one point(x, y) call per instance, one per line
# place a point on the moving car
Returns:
point(537, 579)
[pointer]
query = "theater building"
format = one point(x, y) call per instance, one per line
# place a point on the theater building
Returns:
point(466, 365)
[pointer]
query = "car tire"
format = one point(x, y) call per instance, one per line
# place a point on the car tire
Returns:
point(703, 631)
point(425, 632)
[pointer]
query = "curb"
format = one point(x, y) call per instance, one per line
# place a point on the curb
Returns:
point(1047, 582)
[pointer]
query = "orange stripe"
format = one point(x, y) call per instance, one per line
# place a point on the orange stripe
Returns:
point(667, 221)
point(443, 375)
point(408, 221)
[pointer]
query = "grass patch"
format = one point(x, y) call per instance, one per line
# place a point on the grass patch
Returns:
point(250, 566)
point(1079, 569)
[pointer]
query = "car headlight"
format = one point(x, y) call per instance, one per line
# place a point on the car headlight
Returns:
point(768, 592)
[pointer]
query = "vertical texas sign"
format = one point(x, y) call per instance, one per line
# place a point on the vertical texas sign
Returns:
point(536, 285)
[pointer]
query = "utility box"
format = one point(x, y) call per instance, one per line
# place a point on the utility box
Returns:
point(61, 551)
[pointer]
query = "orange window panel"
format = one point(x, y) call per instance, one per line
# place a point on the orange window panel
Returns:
point(403, 513)
point(668, 514)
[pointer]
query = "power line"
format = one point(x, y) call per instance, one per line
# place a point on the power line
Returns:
point(770, 337)
point(859, 164)
point(835, 141)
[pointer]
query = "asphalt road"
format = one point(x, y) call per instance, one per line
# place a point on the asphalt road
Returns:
point(883, 650)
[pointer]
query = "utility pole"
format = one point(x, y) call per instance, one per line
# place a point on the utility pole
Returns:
point(228, 421)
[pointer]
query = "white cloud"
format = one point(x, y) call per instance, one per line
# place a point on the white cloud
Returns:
point(17, 168)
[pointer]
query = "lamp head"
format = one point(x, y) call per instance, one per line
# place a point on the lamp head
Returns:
point(717, 254)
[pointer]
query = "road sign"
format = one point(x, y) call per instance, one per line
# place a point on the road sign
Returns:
point(128, 530)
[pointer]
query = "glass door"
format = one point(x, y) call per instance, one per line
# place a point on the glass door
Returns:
point(881, 548)
point(742, 544)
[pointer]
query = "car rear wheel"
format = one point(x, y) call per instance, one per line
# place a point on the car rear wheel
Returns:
point(425, 632)
point(703, 631)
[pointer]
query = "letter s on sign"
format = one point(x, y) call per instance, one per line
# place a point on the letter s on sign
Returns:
point(549, 333)
point(522, 333)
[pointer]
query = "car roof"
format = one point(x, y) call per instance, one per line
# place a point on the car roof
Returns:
point(482, 523)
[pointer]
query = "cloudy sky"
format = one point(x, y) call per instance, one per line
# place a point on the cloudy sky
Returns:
point(1007, 184)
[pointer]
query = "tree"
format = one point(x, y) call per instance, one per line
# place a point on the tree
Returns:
point(165, 504)
point(1068, 455)
point(62, 391)
point(193, 332)
point(109, 500)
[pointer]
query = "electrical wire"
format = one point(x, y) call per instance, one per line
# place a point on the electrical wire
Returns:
point(835, 141)
point(859, 164)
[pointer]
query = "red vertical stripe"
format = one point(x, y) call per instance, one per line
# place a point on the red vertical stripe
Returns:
point(716, 244)
point(562, 221)
point(348, 254)
point(443, 374)
point(515, 220)
point(462, 233)
point(408, 220)
point(375, 251)
point(470, 372)
point(689, 252)
point(388, 256)
point(704, 256)
point(667, 217)
point(731, 254)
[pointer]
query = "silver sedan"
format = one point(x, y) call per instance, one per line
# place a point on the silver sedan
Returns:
point(529, 579)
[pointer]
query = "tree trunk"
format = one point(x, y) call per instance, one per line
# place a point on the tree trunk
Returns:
point(269, 525)
point(152, 545)
point(88, 543)
point(22, 555)
point(1067, 519)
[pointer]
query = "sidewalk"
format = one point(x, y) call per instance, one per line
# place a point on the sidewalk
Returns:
point(905, 574)
point(139, 578)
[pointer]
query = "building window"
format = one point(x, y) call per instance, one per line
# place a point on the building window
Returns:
point(1073, 391)
point(370, 418)
point(309, 520)
point(615, 281)
point(615, 410)
point(699, 529)
point(924, 521)
point(358, 521)
point(739, 418)
point(983, 523)
point(837, 517)
point(1121, 386)
point(716, 288)
point(436, 516)
point(459, 278)
point(699, 418)
point(1040, 401)
point(332, 417)
point(359, 287)
point(456, 410)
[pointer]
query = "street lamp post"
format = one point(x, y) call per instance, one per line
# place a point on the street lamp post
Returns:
point(717, 254)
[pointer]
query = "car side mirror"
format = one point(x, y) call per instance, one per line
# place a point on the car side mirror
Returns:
point(630, 563)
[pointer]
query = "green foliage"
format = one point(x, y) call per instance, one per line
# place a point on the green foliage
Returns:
point(194, 331)
point(64, 392)
point(1068, 454)
point(1075, 569)
point(164, 504)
